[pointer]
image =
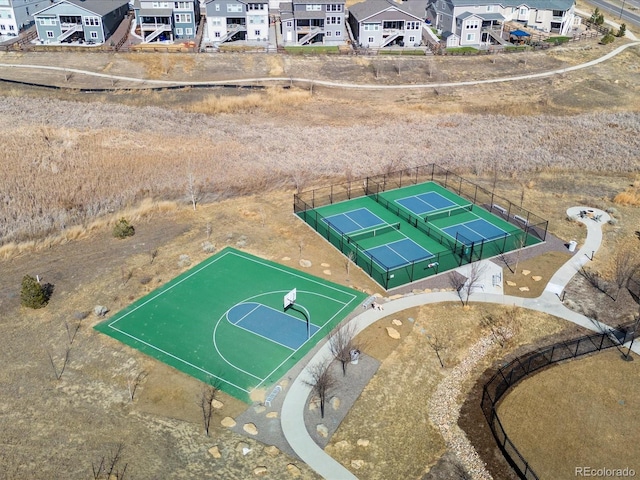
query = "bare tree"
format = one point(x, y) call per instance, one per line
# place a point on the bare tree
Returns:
point(398, 64)
point(321, 381)
point(207, 395)
point(521, 242)
point(126, 274)
point(341, 343)
point(473, 280)
point(376, 69)
point(193, 190)
point(300, 247)
point(457, 283)
point(65, 359)
point(350, 257)
point(503, 326)
point(624, 268)
point(134, 381)
point(72, 330)
point(153, 253)
point(438, 346)
point(109, 466)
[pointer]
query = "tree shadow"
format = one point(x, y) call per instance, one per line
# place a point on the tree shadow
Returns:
point(47, 289)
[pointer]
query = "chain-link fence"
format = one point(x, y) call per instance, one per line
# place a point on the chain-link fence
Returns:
point(525, 365)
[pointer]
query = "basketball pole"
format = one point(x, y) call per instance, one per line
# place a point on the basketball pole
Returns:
point(304, 312)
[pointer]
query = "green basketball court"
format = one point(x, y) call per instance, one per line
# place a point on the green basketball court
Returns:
point(224, 322)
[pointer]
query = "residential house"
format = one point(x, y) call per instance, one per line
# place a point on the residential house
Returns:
point(313, 21)
point(16, 15)
point(85, 21)
point(382, 23)
point(237, 20)
point(166, 21)
point(480, 22)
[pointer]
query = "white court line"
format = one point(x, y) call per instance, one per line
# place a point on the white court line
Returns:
point(244, 316)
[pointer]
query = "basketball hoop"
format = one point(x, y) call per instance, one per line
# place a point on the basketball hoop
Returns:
point(290, 299)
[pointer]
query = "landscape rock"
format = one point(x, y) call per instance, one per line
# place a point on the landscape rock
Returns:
point(259, 408)
point(217, 404)
point(335, 403)
point(327, 272)
point(184, 260)
point(272, 415)
point(397, 322)
point(526, 272)
point(536, 278)
point(325, 265)
point(357, 464)
point(342, 444)
point(215, 452)
point(100, 310)
point(241, 447)
point(286, 259)
point(259, 471)
point(293, 470)
point(322, 430)
point(511, 284)
point(250, 428)
point(305, 263)
point(228, 422)
point(524, 289)
point(363, 442)
point(393, 333)
point(272, 451)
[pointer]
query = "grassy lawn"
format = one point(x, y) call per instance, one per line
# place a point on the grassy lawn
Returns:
point(303, 50)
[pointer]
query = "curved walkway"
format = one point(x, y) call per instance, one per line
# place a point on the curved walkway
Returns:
point(326, 83)
point(292, 415)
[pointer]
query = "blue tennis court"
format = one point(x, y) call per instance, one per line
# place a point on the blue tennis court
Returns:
point(396, 254)
point(475, 231)
point(354, 220)
point(272, 324)
point(425, 202)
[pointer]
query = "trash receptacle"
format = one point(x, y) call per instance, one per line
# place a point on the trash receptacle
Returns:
point(572, 245)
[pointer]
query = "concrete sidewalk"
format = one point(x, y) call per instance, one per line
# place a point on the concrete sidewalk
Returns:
point(292, 414)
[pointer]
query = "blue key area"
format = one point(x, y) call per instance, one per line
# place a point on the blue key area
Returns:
point(269, 323)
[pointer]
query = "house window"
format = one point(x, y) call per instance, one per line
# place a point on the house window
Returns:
point(49, 34)
point(2, 27)
point(92, 21)
point(256, 6)
point(256, 33)
point(338, 33)
point(558, 13)
point(183, 18)
point(472, 25)
point(216, 21)
point(234, 8)
point(216, 34)
point(334, 8)
point(94, 35)
point(181, 5)
point(314, 8)
point(289, 24)
point(178, 31)
point(471, 37)
point(11, 28)
point(371, 27)
point(188, 31)
point(370, 40)
point(327, 33)
point(334, 20)
point(523, 11)
point(217, 8)
point(412, 39)
point(489, 8)
point(160, 4)
point(413, 25)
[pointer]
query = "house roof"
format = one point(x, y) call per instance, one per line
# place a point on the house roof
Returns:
point(364, 10)
point(97, 7)
point(536, 4)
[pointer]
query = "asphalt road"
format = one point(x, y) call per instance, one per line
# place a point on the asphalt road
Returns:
point(619, 14)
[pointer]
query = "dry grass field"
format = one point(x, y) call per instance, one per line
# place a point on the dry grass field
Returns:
point(74, 163)
point(589, 406)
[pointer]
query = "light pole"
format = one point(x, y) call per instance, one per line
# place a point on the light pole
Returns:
point(622, 9)
point(628, 357)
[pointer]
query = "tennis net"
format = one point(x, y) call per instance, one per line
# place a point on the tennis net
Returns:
point(373, 232)
point(448, 213)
